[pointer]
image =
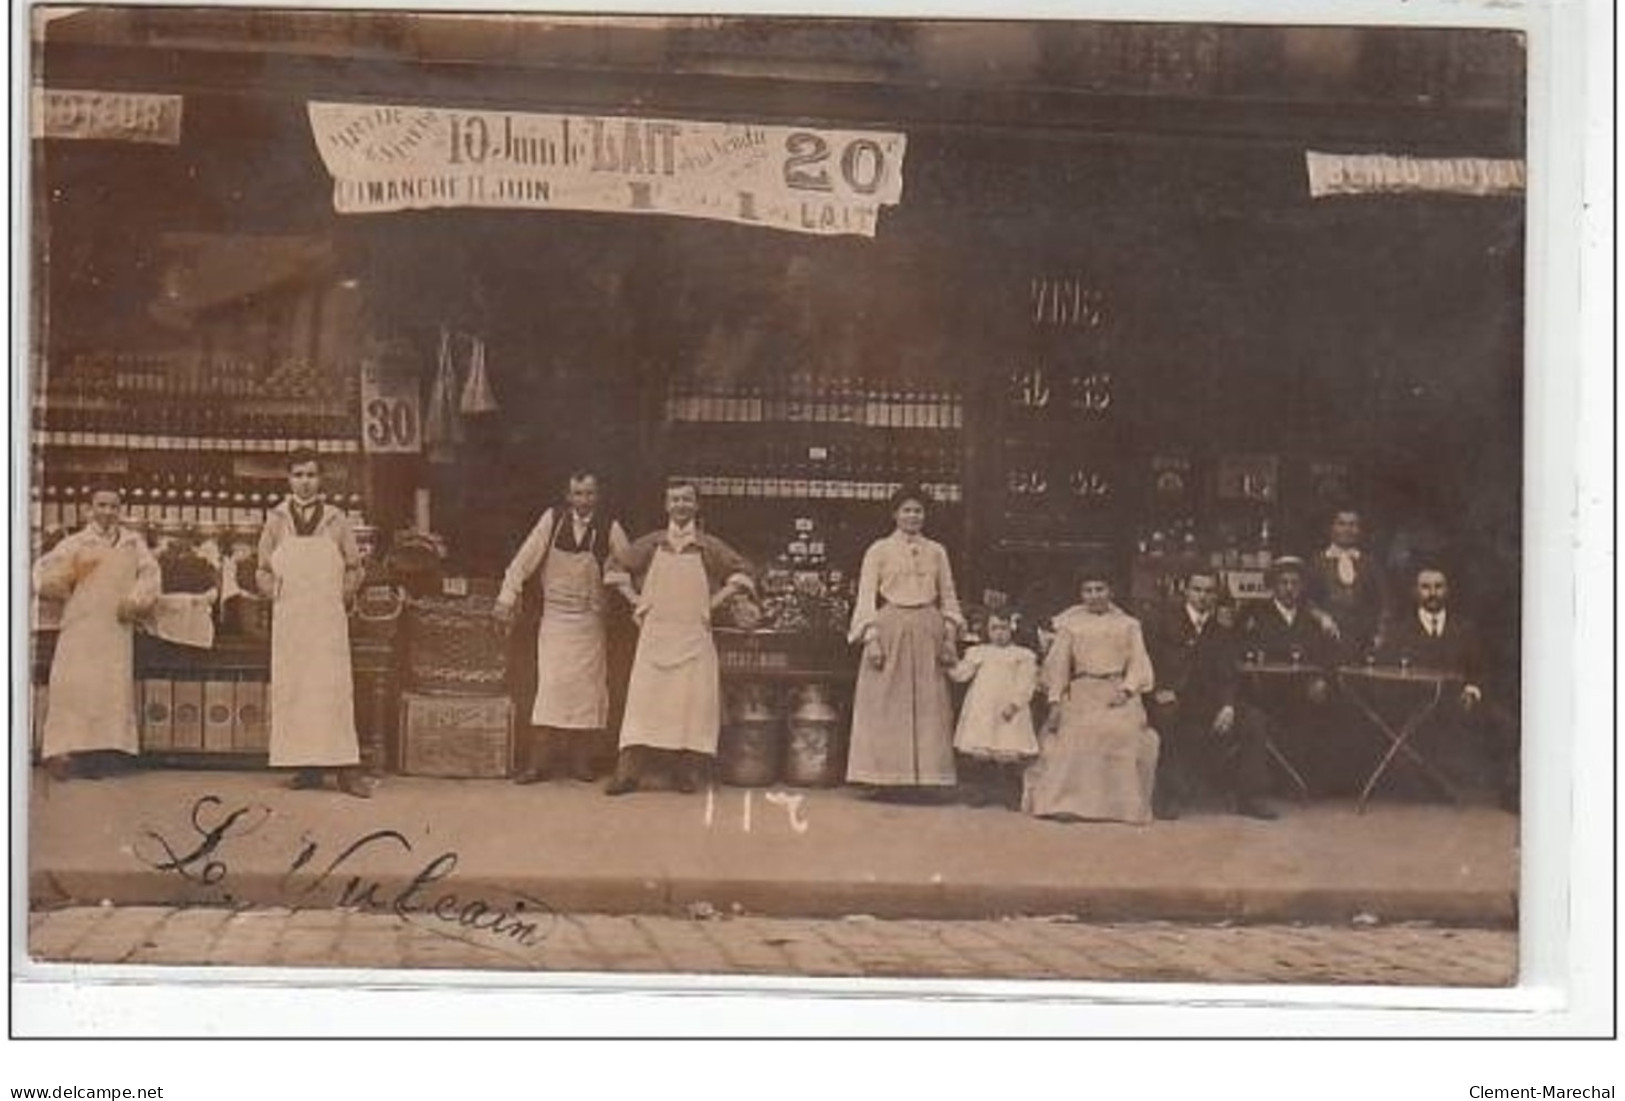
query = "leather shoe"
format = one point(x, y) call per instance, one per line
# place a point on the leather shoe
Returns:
point(687, 782)
point(306, 779)
point(621, 785)
point(59, 769)
point(530, 776)
point(1166, 810)
point(1252, 808)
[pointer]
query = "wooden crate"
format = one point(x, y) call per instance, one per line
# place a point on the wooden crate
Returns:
point(250, 732)
point(187, 723)
point(467, 737)
point(157, 714)
point(218, 711)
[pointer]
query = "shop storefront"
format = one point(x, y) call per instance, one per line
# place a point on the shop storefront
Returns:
point(1077, 280)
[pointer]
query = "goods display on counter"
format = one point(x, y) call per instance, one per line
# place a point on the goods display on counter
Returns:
point(454, 645)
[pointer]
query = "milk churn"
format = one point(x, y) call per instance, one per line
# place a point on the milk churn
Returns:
point(752, 736)
point(813, 758)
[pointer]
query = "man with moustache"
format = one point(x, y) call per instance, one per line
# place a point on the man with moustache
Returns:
point(1476, 736)
point(674, 578)
point(568, 548)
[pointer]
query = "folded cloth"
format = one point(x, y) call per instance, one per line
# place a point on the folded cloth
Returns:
point(183, 618)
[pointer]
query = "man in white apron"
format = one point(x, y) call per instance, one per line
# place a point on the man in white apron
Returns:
point(108, 578)
point(568, 546)
point(674, 578)
point(310, 568)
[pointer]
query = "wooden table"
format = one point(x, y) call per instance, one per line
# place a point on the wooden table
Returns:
point(1421, 691)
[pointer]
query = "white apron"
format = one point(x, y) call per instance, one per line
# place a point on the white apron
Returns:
point(92, 687)
point(572, 666)
point(674, 699)
point(312, 694)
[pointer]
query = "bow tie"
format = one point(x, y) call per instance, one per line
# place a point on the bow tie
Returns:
point(1345, 557)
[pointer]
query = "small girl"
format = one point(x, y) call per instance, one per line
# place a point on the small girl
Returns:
point(996, 723)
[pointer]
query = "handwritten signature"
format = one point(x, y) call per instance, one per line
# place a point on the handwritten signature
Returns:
point(522, 922)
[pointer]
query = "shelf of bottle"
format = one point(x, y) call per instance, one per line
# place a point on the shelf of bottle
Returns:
point(125, 441)
point(195, 516)
point(817, 489)
point(940, 416)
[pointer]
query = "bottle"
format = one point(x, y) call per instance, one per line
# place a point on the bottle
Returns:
point(51, 516)
point(138, 502)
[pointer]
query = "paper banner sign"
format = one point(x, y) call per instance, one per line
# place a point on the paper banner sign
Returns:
point(800, 179)
point(1374, 174)
point(106, 116)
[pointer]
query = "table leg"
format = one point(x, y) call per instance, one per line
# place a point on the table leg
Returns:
point(1286, 764)
point(1398, 742)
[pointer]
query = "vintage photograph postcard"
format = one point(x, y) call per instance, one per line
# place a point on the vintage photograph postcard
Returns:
point(816, 497)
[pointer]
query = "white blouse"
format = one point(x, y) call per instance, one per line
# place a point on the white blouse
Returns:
point(910, 571)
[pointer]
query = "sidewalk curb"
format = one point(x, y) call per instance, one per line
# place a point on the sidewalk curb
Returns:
point(50, 889)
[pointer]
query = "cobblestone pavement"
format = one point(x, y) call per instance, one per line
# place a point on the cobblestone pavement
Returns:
point(1017, 948)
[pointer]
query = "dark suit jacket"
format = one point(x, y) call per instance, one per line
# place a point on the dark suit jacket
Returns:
point(1458, 650)
point(1268, 632)
point(1357, 608)
point(1200, 667)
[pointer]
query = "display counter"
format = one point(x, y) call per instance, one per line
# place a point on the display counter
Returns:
point(208, 707)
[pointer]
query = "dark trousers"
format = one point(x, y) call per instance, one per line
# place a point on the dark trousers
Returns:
point(545, 750)
point(1193, 758)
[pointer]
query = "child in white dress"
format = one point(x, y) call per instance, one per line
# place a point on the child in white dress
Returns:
point(995, 731)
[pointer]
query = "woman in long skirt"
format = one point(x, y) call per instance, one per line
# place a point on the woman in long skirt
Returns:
point(908, 619)
point(1097, 757)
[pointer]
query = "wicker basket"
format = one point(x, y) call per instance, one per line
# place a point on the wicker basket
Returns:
point(455, 646)
point(377, 613)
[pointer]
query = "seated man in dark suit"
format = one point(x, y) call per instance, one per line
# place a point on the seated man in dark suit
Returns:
point(1471, 733)
point(1207, 733)
point(1287, 630)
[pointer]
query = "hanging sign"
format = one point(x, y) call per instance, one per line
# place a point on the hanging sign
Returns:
point(1372, 174)
point(800, 179)
point(390, 419)
point(106, 116)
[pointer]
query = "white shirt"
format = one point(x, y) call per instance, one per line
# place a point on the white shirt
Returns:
point(1288, 614)
point(579, 525)
point(1198, 619)
point(679, 537)
point(1432, 622)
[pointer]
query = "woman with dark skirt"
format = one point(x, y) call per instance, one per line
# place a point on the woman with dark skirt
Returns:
point(908, 619)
